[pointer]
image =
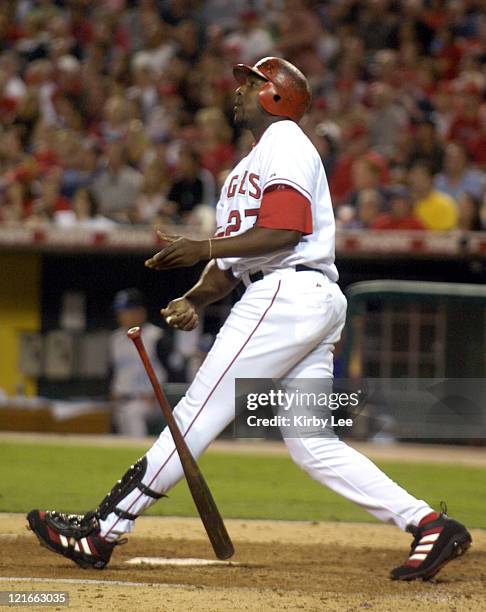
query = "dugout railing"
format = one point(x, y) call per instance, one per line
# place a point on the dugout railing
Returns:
point(407, 335)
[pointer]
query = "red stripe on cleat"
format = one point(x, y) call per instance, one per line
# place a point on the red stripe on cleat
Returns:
point(414, 563)
point(430, 531)
point(433, 516)
point(53, 535)
point(92, 548)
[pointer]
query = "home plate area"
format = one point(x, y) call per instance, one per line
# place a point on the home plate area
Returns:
point(168, 565)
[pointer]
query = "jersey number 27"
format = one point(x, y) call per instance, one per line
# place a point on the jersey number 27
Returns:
point(234, 221)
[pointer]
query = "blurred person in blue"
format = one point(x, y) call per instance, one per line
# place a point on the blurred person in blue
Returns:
point(130, 388)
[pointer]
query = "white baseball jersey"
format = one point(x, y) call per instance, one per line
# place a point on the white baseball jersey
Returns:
point(283, 156)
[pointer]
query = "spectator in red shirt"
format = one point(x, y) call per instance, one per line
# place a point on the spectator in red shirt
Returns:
point(477, 144)
point(366, 174)
point(466, 123)
point(447, 52)
point(399, 215)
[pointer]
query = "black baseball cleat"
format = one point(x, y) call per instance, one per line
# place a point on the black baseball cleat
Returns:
point(438, 540)
point(75, 536)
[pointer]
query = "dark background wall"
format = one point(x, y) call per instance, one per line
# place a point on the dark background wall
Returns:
point(101, 276)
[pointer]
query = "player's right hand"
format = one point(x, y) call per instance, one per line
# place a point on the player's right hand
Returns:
point(180, 314)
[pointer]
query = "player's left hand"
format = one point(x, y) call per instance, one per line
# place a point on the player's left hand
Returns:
point(180, 252)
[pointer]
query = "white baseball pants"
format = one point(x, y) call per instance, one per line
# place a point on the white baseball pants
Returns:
point(284, 325)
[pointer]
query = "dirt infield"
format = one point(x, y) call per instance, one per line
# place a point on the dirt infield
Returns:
point(281, 566)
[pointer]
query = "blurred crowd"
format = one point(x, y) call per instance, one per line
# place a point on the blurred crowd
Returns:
point(120, 112)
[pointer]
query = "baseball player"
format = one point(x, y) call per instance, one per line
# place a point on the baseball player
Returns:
point(276, 236)
point(130, 389)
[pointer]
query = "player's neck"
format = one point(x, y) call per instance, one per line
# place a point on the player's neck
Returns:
point(262, 127)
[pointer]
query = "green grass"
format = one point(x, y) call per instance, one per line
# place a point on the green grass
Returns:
point(75, 478)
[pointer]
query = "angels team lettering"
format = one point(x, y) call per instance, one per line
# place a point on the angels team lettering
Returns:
point(240, 184)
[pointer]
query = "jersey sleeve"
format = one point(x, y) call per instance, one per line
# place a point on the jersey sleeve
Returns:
point(288, 158)
point(285, 208)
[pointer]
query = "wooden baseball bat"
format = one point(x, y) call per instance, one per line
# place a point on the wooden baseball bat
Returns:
point(205, 504)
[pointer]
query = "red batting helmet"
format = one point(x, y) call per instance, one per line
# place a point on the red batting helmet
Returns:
point(286, 92)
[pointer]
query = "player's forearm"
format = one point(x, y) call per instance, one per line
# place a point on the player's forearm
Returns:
point(213, 285)
point(254, 242)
